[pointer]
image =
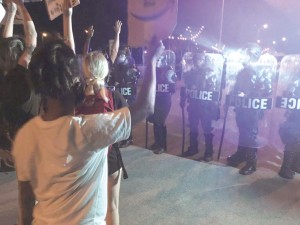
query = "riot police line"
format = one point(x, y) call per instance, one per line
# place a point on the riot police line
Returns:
point(249, 92)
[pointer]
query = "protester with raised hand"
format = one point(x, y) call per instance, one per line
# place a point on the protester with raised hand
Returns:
point(68, 25)
point(116, 43)
point(18, 102)
point(89, 35)
point(11, 11)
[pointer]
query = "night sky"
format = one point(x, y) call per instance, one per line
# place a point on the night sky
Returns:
point(242, 21)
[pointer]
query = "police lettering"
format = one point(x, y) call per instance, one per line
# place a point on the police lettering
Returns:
point(164, 88)
point(250, 103)
point(126, 91)
point(289, 103)
point(201, 95)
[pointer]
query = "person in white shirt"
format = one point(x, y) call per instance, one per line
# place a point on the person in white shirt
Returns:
point(61, 159)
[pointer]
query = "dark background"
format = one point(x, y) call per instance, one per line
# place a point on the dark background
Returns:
point(242, 22)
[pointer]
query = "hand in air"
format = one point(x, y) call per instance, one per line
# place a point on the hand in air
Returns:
point(117, 26)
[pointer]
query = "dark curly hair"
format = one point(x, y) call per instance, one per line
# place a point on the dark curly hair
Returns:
point(54, 71)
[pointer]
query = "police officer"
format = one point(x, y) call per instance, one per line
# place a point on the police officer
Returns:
point(165, 87)
point(124, 76)
point(201, 79)
point(252, 81)
point(289, 132)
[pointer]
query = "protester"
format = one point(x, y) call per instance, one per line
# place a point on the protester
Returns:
point(18, 102)
point(101, 99)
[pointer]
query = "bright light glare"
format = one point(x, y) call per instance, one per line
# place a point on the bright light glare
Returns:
point(283, 38)
point(265, 26)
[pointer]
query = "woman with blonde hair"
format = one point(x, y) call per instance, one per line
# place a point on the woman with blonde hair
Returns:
point(99, 99)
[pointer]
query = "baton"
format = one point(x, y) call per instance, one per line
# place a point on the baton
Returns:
point(146, 141)
point(183, 130)
point(223, 132)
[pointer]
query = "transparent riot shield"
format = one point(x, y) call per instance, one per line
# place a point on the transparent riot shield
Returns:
point(201, 93)
point(166, 69)
point(167, 58)
point(286, 113)
point(251, 88)
point(204, 82)
point(126, 77)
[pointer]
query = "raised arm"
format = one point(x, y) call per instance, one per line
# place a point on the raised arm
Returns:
point(10, 16)
point(144, 104)
point(67, 24)
point(30, 34)
point(116, 44)
point(89, 35)
point(2, 13)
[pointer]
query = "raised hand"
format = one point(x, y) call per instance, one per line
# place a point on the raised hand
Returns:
point(11, 6)
point(117, 26)
point(68, 10)
point(90, 32)
point(156, 48)
point(18, 2)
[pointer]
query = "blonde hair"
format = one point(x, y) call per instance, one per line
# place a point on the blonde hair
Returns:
point(95, 67)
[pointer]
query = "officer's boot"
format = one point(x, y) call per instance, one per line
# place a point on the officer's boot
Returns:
point(296, 162)
point(156, 131)
point(208, 154)
point(286, 166)
point(251, 158)
point(193, 148)
point(162, 140)
point(238, 157)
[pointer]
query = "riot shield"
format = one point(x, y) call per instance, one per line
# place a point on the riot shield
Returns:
point(167, 58)
point(250, 93)
point(286, 113)
point(126, 76)
point(204, 83)
point(202, 91)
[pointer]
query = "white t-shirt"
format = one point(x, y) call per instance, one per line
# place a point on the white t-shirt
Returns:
point(65, 161)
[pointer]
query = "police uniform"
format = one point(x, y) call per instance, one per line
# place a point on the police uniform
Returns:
point(199, 82)
point(164, 89)
point(289, 132)
point(252, 81)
